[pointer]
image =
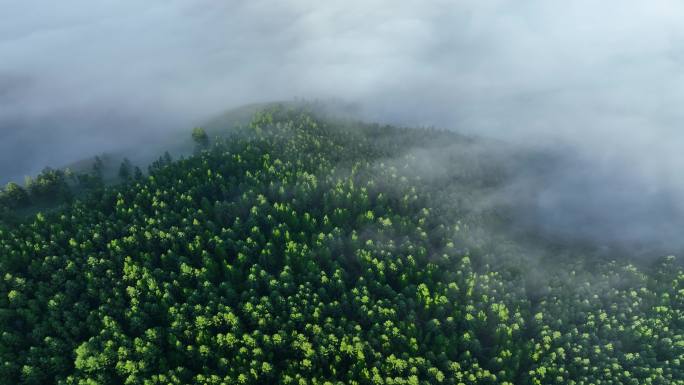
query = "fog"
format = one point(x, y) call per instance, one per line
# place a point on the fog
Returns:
point(604, 81)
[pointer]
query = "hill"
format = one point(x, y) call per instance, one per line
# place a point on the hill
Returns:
point(302, 250)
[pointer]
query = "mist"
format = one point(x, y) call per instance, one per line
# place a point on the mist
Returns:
point(599, 84)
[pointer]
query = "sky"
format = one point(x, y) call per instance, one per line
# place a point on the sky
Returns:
point(603, 78)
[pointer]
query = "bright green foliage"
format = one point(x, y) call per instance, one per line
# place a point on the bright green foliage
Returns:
point(200, 137)
point(298, 252)
point(50, 185)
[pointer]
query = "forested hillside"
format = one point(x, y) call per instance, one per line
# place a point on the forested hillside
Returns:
point(299, 250)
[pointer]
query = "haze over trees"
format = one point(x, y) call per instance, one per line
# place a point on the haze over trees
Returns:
point(201, 139)
point(298, 250)
point(126, 170)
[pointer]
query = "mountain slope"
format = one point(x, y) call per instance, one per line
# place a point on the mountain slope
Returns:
point(305, 251)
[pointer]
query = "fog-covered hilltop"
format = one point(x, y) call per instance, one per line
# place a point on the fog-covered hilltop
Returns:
point(526, 228)
point(298, 249)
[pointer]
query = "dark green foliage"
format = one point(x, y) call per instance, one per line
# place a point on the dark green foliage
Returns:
point(160, 163)
point(167, 158)
point(98, 167)
point(137, 174)
point(299, 252)
point(125, 170)
point(90, 181)
point(14, 196)
point(49, 186)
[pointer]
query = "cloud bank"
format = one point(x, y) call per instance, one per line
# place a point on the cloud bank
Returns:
point(605, 79)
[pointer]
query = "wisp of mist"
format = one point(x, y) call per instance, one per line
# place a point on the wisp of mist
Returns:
point(598, 84)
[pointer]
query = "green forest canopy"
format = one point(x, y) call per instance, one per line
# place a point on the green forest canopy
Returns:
point(298, 250)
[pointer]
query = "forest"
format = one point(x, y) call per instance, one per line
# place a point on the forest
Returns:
point(298, 249)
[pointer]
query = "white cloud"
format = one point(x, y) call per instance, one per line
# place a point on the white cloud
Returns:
point(78, 77)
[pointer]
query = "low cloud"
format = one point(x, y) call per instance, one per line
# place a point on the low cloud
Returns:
point(602, 79)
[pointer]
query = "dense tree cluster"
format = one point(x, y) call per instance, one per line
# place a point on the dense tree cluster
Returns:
point(300, 251)
point(49, 187)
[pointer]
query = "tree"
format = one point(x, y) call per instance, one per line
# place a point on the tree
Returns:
point(89, 181)
point(199, 136)
point(98, 167)
point(15, 195)
point(125, 169)
point(50, 185)
point(137, 173)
